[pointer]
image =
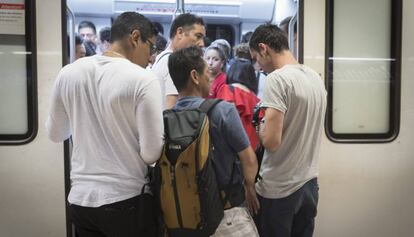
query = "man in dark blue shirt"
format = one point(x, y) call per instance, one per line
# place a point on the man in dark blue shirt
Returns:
point(234, 160)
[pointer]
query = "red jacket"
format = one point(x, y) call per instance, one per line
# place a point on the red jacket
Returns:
point(218, 82)
point(245, 101)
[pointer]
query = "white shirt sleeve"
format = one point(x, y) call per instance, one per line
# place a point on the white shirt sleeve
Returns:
point(57, 124)
point(162, 71)
point(151, 131)
point(170, 88)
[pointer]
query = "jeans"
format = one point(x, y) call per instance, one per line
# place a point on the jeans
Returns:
point(131, 217)
point(292, 216)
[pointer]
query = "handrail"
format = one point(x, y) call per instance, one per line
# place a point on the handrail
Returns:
point(179, 8)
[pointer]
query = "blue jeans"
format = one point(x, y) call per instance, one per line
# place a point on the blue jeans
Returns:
point(292, 216)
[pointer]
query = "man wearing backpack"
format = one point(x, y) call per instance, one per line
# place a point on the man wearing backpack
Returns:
point(234, 158)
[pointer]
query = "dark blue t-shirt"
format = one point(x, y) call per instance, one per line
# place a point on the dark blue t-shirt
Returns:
point(227, 135)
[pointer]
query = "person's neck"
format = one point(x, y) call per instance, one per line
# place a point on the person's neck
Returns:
point(116, 51)
point(174, 45)
point(189, 93)
point(282, 59)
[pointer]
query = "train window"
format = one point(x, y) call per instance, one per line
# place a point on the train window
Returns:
point(226, 32)
point(363, 70)
point(18, 99)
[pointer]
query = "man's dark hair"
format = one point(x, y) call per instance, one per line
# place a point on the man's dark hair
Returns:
point(270, 35)
point(161, 43)
point(87, 24)
point(127, 22)
point(159, 27)
point(182, 62)
point(184, 20)
point(105, 34)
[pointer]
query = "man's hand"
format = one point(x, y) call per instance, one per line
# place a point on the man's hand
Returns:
point(251, 199)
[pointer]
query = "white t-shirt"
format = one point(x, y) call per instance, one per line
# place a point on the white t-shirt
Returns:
point(160, 68)
point(112, 109)
point(260, 87)
point(298, 92)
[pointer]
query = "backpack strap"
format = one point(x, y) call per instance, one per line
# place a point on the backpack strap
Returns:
point(208, 104)
point(168, 53)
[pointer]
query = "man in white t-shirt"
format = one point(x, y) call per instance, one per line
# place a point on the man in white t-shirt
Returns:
point(111, 107)
point(186, 30)
point(294, 102)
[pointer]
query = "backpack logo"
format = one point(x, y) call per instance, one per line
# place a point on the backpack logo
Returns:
point(174, 147)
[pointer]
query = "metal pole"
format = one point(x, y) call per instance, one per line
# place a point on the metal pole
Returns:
point(179, 8)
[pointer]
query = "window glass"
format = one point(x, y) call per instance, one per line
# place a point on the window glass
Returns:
point(214, 32)
point(18, 115)
point(362, 70)
point(13, 86)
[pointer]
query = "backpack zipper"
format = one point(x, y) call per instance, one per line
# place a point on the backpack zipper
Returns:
point(177, 203)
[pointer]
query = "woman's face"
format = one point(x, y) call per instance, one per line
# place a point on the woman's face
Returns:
point(214, 62)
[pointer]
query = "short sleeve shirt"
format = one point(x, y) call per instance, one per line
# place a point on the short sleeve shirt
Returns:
point(298, 92)
point(227, 135)
point(160, 68)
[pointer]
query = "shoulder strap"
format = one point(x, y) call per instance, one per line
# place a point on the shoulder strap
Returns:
point(208, 104)
point(168, 53)
point(258, 75)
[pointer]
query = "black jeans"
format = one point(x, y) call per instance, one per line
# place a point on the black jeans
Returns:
point(131, 217)
point(292, 216)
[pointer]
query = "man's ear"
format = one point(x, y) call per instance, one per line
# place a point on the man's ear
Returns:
point(194, 76)
point(263, 48)
point(179, 32)
point(135, 37)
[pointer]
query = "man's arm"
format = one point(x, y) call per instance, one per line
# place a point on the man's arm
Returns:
point(170, 101)
point(57, 124)
point(270, 131)
point(149, 123)
point(171, 93)
point(237, 138)
point(249, 165)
